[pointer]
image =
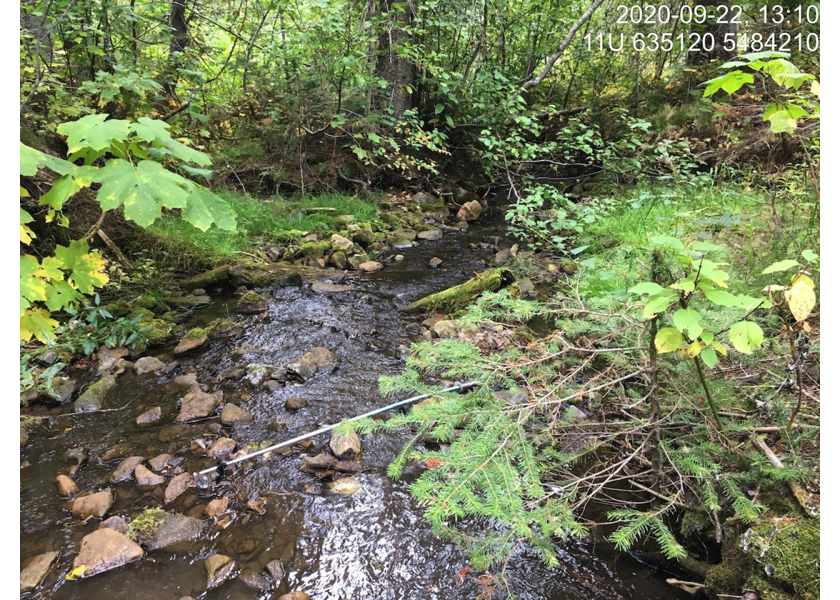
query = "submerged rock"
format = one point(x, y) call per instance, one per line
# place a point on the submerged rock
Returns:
point(370, 266)
point(219, 569)
point(150, 416)
point(145, 477)
point(325, 287)
point(255, 581)
point(217, 506)
point(251, 303)
point(345, 446)
point(430, 235)
point(317, 360)
point(195, 338)
point(105, 549)
point(197, 405)
point(62, 389)
point(148, 364)
point(296, 403)
point(276, 571)
point(222, 448)
point(93, 398)
point(345, 485)
point(178, 486)
point(66, 486)
point(116, 523)
point(109, 358)
point(160, 462)
point(170, 531)
point(125, 470)
point(35, 570)
point(92, 505)
point(231, 414)
point(257, 373)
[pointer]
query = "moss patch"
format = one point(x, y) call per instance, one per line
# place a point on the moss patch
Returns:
point(146, 524)
point(788, 550)
point(459, 296)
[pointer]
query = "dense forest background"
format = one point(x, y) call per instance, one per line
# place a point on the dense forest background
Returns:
point(657, 165)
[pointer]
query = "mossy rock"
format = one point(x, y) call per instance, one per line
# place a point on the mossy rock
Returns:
point(251, 303)
point(146, 524)
point(146, 315)
point(787, 549)
point(393, 219)
point(224, 327)
point(157, 332)
point(313, 249)
point(292, 235)
point(149, 302)
point(249, 276)
point(118, 309)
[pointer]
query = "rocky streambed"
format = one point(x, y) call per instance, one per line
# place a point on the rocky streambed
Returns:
point(110, 508)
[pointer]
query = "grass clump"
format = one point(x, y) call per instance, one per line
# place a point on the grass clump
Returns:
point(260, 222)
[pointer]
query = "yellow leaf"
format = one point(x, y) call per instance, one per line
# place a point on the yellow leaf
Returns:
point(803, 278)
point(815, 88)
point(806, 327)
point(76, 573)
point(23, 192)
point(801, 299)
point(721, 349)
point(774, 288)
point(694, 349)
point(26, 234)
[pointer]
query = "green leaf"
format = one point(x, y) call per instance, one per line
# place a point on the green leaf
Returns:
point(51, 268)
point(32, 287)
point(31, 160)
point(143, 190)
point(196, 172)
point(647, 287)
point(61, 295)
point(688, 319)
point(667, 240)
point(810, 255)
point(782, 265)
point(709, 357)
point(439, 108)
point(93, 132)
point(87, 271)
point(204, 208)
point(659, 302)
point(685, 285)
point(37, 322)
point(782, 123)
point(62, 188)
point(729, 83)
point(668, 339)
point(746, 336)
point(152, 130)
point(721, 297)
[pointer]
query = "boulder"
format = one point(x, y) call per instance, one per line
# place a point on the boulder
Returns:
point(357, 259)
point(148, 364)
point(150, 416)
point(219, 569)
point(445, 329)
point(66, 486)
point(317, 360)
point(405, 234)
point(361, 236)
point(462, 196)
point(35, 570)
point(345, 446)
point(255, 581)
point(197, 405)
point(177, 486)
point(430, 234)
point(233, 414)
point(370, 266)
point(275, 571)
point(342, 244)
point(125, 470)
point(93, 398)
point(257, 373)
point(190, 302)
point(170, 531)
point(207, 279)
point(188, 380)
point(338, 259)
point(109, 358)
point(274, 253)
point(296, 403)
point(92, 505)
point(426, 202)
point(251, 303)
point(62, 389)
point(116, 523)
point(470, 211)
point(160, 462)
point(222, 448)
point(195, 338)
point(105, 549)
point(145, 477)
point(217, 506)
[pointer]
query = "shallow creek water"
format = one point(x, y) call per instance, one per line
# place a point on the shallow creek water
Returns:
point(373, 544)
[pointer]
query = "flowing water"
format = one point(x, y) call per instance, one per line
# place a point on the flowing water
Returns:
point(373, 544)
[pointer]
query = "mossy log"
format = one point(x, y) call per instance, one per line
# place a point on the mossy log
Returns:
point(459, 296)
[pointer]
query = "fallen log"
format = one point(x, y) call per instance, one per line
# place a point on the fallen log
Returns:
point(452, 299)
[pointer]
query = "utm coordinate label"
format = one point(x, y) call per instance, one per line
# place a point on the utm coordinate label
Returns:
point(771, 28)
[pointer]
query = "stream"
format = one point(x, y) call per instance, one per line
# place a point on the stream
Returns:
point(373, 544)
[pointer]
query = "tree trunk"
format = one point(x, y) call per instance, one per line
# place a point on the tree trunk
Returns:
point(397, 70)
point(718, 32)
point(178, 42)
